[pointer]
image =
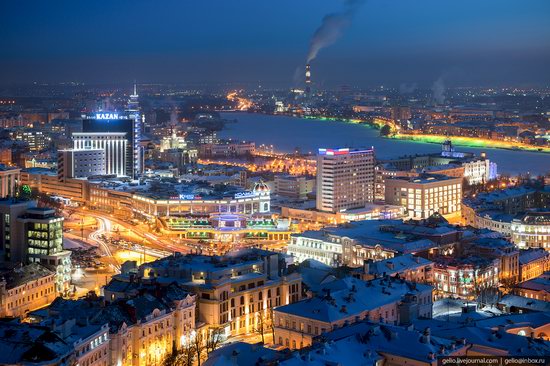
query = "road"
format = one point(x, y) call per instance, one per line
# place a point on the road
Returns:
point(103, 227)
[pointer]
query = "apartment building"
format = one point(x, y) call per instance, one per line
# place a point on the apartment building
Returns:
point(25, 288)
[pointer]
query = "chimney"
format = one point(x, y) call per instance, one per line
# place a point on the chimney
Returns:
point(308, 78)
point(366, 266)
point(426, 336)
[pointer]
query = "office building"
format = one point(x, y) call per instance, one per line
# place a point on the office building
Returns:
point(47, 182)
point(345, 179)
point(115, 146)
point(36, 140)
point(425, 195)
point(297, 187)
point(31, 234)
point(81, 163)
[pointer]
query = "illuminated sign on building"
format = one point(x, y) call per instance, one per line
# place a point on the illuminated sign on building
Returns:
point(343, 151)
point(245, 194)
point(107, 116)
point(186, 197)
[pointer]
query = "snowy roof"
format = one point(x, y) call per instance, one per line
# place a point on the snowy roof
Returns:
point(511, 344)
point(20, 275)
point(358, 296)
point(397, 264)
point(541, 283)
point(393, 340)
point(391, 234)
point(21, 343)
point(525, 303)
point(240, 353)
point(512, 321)
point(531, 255)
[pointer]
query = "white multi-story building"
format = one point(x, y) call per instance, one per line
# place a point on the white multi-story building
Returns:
point(114, 145)
point(479, 171)
point(345, 179)
point(81, 163)
point(425, 195)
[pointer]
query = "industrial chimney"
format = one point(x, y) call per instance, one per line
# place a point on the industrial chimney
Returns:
point(308, 78)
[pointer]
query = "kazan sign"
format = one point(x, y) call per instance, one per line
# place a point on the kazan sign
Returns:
point(107, 116)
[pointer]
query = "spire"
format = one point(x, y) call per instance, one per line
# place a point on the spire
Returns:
point(135, 88)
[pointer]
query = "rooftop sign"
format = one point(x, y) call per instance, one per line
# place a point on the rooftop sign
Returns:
point(106, 116)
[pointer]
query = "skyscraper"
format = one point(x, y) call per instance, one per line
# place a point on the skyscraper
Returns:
point(345, 179)
point(133, 112)
point(114, 133)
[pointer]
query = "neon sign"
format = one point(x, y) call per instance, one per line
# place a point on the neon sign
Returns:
point(245, 194)
point(186, 197)
point(106, 116)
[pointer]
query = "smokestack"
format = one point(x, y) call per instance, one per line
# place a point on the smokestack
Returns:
point(308, 78)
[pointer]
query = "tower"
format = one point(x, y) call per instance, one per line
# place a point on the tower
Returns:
point(134, 113)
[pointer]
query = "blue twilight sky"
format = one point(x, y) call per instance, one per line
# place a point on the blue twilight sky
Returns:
point(473, 42)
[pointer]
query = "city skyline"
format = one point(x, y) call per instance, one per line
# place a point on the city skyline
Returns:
point(291, 183)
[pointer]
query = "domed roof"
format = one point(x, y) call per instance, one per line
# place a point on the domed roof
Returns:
point(261, 187)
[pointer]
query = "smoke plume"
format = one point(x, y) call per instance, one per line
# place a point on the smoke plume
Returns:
point(438, 90)
point(332, 27)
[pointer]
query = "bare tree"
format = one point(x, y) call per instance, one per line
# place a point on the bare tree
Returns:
point(260, 324)
point(180, 357)
point(507, 284)
point(214, 338)
point(271, 322)
point(198, 346)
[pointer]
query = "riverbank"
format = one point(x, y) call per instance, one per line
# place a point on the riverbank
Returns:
point(288, 134)
point(473, 142)
point(439, 139)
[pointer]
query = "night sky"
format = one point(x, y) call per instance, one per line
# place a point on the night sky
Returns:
point(470, 42)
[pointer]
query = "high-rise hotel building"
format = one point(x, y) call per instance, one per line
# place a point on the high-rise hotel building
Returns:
point(108, 144)
point(345, 179)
